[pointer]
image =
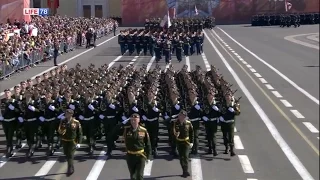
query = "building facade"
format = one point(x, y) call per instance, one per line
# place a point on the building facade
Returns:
point(84, 8)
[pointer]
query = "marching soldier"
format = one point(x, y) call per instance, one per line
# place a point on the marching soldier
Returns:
point(183, 132)
point(20, 134)
point(227, 119)
point(138, 148)
point(9, 107)
point(71, 135)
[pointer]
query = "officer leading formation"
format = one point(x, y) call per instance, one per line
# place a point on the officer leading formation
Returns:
point(65, 104)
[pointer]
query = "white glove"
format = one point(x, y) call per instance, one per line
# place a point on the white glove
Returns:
point(221, 119)
point(71, 106)
point(81, 117)
point(205, 118)
point(20, 119)
point(166, 117)
point(177, 106)
point(78, 146)
point(144, 117)
point(90, 106)
point(11, 107)
point(231, 109)
point(197, 106)
point(124, 118)
point(41, 118)
point(125, 121)
point(155, 109)
point(101, 116)
point(135, 109)
point(112, 106)
point(1, 118)
point(147, 161)
point(32, 108)
point(62, 117)
point(191, 145)
point(59, 117)
point(52, 108)
point(215, 108)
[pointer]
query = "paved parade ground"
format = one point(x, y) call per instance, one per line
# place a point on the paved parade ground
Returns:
point(276, 71)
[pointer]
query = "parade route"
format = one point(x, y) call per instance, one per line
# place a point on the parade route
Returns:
point(276, 135)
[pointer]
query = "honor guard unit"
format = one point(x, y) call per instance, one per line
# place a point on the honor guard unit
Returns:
point(98, 103)
point(163, 43)
point(285, 20)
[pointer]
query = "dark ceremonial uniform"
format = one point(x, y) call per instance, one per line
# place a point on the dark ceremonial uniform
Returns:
point(71, 135)
point(122, 43)
point(138, 148)
point(179, 50)
point(9, 121)
point(195, 118)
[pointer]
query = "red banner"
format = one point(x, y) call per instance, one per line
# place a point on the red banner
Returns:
point(134, 12)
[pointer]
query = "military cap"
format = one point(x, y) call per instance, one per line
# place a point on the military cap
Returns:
point(135, 115)
point(37, 77)
point(6, 90)
point(183, 112)
point(70, 111)
point(29, 80)
point(15, 87)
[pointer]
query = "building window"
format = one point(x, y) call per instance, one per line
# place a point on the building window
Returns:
point(36, 3)
point(87, 11)
point(98, 11)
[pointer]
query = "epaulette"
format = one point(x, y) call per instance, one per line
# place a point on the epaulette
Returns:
point(127, 127)
point(188, 122)
point(143, 128)
point(74, 120)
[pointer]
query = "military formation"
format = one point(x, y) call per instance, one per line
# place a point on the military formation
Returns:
point(182, 24)
point(66, 104)
point(162, 44)
point(285, 20)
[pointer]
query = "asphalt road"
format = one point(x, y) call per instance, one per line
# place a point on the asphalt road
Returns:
point(274, 139)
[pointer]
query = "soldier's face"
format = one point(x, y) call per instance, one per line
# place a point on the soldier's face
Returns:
point(38, 80)
point(17, 91)
point(68, 115)
point(134, 121)
point(8, 94)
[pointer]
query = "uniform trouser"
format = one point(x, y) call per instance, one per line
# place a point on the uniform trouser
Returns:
point(183, 150)
point(198, 47)
point(9, 128)
point(115, 131)
point(31, 128)
point(186, 49)
point(122, 48)
point(145, 49)
point(167, 55)
point(89, 130)
point(172, 140)
point(179, 53)
point(131, 48)
point(69, 149)
point(211, 130)
point(55, 56)
point(192, 48)
point(158, 54)
point(88, 42)
point(20, 133)
point(49, 128)
point(151, 49)
point(136, 165)
point(153, 130)
point(227, 133)
point(196, 126)
point(109, 125)
point(138, 48)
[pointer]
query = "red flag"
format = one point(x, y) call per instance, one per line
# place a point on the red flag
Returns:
point(287, 5)
point(174, 13)
point(55, 3)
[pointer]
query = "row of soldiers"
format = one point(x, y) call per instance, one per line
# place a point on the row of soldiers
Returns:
point(285, 20)
point(181, 24)
point(161, 43)
point(109, 96)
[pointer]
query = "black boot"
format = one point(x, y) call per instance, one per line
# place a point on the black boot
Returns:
point(155, 152)
point(214, 150)
point(70, 170)
point(91, 150)
point(18, 146)
point(38, 143)
point(50, 151)
point(232, 153)
point(9, 152)
point(185, 172)
point(226, 151)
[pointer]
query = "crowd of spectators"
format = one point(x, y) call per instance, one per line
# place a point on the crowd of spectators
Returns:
point(23, 45)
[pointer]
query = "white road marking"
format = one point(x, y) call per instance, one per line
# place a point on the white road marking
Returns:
point(251, 179)
point(253, 70)
point(311, 127)
point(297, 114)
point(4, 160)
point(97, 167)
point(269, 87)
point(196, 169)
point(114, 61)
point(257, 75)
point(188, 63)
point(150, 63)
point(245, 163)
point(44, 170)
point(263, 80)
point(314, 37)
point(237, 142)
point(134, 59)
point(206, 63)
point(244, 62)
point(249, 66)
point(292, 39)
point(318, 137)
point(288, 152)
point(241, 59)
point(233, 51)
point(67, 60)
point(148, 168)
point(235, 129)
point(286, 103)
point(277, 94)
point(314, 99)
